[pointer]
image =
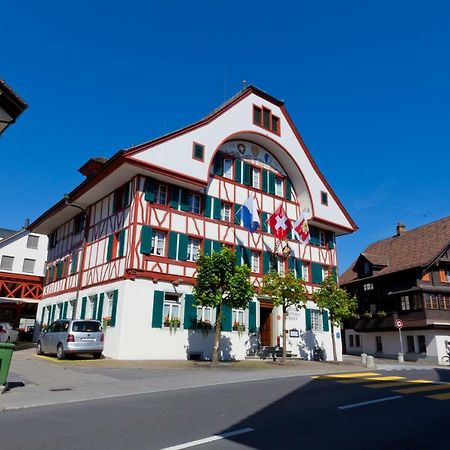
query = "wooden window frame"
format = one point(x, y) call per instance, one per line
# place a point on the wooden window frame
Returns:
point(252, 252)
point(193, 195)
point(157, 187)
point(194, 144)
point(230, 205)
point(199, 248)
point(164, 253)
point(270, 128)
point(231, 177)
point(324, 195)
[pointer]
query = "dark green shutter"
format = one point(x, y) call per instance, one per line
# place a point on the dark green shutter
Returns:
point(184, 205)
point(237, 213)
point(52, 316)
point(207, 245)
point(265, 227)
point(238, 170)
point(61, 310)
point(122, 243)
point(110, 247)
point(247, 254)
point(149, 189)
point(252, 317)
point(330, 239)
point(218, 165)
point(326, 326)
point(247, 174)
point(266, 262)
point(314, 236)
point(51, 272)
point(126, 195)
point(112, 322)
point(190, 312)
point(217, 246)
point(316, 273)
point(271, 183)
point(265, 180)
point(158, 305)
point(208, 206)
point(94, 308)
point(298, 268)
point(334, 274)
point(100, 307)
point(217, 204)
point(146, 239)
point(226, 318)
point(73, 267)
point(83, 307)
point(64, 314)
point(308, 319)
point(238, 255)
point(174, 197)
point(288, 185)
point(182, 247)
point(291, 263)
point(59, 270)
point(173, 244)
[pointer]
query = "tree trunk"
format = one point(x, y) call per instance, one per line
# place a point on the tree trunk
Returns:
point(215, 354)
point(333, 340)
point(284, 359)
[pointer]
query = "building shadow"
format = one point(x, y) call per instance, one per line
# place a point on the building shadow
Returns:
point(200, 344)
point(309, 348)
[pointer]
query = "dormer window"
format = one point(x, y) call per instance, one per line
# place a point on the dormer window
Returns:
point(366, 268)
point(264, 118)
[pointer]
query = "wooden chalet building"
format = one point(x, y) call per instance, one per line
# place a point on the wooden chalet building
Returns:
point(123, 244)
point(404, 277)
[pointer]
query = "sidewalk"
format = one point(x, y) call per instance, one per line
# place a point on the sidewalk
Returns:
point(38, 381)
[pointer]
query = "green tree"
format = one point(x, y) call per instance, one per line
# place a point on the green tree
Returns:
point(220, 282)
point(285, 290)
point(338, 302)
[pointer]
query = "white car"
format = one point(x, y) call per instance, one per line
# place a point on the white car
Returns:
point(8, 333)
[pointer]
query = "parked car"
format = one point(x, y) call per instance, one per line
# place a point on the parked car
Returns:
point(8, 333)
point(65, 337)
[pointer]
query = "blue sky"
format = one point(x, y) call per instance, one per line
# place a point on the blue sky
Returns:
point(367, 84)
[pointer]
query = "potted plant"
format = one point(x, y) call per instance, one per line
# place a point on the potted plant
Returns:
point(106, 322)
point(172, 323)
point(239, 327)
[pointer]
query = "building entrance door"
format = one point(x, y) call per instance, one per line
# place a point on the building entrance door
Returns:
point(265, 321)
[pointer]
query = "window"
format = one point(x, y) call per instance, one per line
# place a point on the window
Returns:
point(110, 303)
point(447, 276)
point(194, 203)
point(263, 117)
point(90, 307)
point(316, 320)
point(257, 115)
point(378, 344)
point(225, 212)
point(422, 344)
point(351, 339)
point(78, 223)
point(71, 309)
point(228, 168)
point(326, 271)
point(171, 310)
point(238, 319)
point(305, 272)
point(255, 262)
point(266, 118)
point(357, 340)
point(368, 286)
point(322, 239)
point(444, 301)
point(53, 239)
point(204, 314)
point(280, 264)
point(431, 301)
point(158, 239)
point(256, 176)
point(366, 268)
point(404, 303)
point(410, 344)
point(324, 198)
point(28, 265)
point(198, 152)
point(372, 308)
point(193, 248)
point(7, 262)
point(275, 125)
point(417, 302)
point(32, 241)
point(279, 186)
point(161, 194)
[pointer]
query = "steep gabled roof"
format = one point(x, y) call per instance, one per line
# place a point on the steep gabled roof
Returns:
point(415, 248)
point(5, 233)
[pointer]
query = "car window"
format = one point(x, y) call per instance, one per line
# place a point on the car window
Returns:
point(51, 328)
point(86, 326)
point(57, 327)
point(64, 326)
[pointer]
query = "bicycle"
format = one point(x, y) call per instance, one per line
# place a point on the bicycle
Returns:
point(445, 360)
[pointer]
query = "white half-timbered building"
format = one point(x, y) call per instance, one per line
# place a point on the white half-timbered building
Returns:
point(123, 243)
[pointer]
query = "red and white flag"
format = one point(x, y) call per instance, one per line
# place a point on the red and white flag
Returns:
point(301, 229)
point(279, 223)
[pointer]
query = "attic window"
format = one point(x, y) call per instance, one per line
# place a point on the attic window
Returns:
point(324, 198)
point(264, 118)
point(366, 268)
point(198, 152)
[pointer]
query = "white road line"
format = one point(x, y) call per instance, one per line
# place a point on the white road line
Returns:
point(216, 437)
point(356, 405)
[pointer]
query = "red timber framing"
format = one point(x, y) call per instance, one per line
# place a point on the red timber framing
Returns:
point(16, 286)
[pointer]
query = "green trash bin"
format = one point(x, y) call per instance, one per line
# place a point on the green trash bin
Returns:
point(6, 351)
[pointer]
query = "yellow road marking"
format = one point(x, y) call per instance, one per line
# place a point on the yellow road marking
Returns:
point(445, 396)
point(395, 384)
point(366, 379)
point(413, 390)
point(67, 361)
point(350, 375)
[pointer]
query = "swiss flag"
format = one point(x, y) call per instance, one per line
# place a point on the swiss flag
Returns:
point(279, 223)
point(301, 229)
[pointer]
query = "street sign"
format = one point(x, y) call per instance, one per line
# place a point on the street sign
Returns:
point(399, 323)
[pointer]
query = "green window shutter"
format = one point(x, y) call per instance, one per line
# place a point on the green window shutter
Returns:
point(288, 185)
point(73, 267)
point(61, 311)
point(247, 254)
point(146, 239)
point(218, 165)
point(316, 273)
point(291, 263)
point(298, 268)
point(217, 204)
point(314, 236)
point(59, 267)
point(217, 246)
point(266, 262)
point(208, 206)
point(83, 307)
point(265, 180)
point(52, 316)
point(149, 189)
point(126, 195)
point(271, 183)
point(334, 274)
point(326, 324)
point(182, 247)
point(252, 317)
point(207, 245)
point(110, 246)
point(308, 319)
point(184, 205)
point(330, 239)
point(64, 314)
point(122, 243)
point(238, 170)
point(238, 255)
point(173, 243)
point(100, 306)
point(190, 312)
point(264, 225)
point(174, 197)
point(247, 174)
point(237, 213)
point(94, 309)
point(51, 272)
point(112, 322)
point(158, 305)
point(226, 318)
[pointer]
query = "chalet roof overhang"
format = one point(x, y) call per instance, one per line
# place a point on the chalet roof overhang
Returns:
point(378, 276)
point(11, 104)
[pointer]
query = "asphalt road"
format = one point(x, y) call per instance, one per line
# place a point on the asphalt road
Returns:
point(288, 413)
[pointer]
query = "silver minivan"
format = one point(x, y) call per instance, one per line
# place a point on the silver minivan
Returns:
point(65, 337)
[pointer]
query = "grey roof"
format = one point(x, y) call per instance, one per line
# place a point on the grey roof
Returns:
point(5, 233)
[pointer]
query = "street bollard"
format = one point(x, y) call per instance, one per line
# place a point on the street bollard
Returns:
point(370, 364)
point(363, 359)
point(6, 351)
point(401, 358)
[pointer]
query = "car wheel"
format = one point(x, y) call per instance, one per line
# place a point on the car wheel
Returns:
point(39, 348)
point(60, 352)
point(97, 355)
